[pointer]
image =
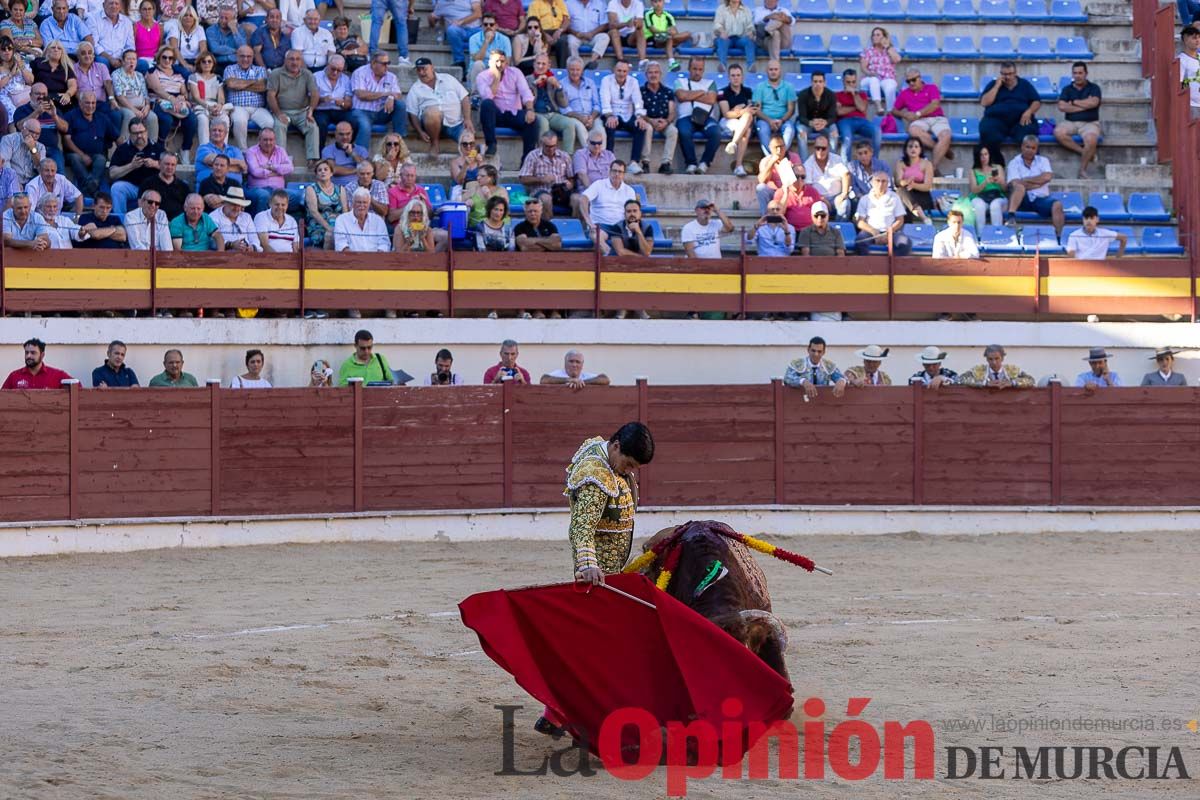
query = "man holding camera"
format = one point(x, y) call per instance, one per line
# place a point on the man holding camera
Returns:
point(507, 369)
point(442, 374)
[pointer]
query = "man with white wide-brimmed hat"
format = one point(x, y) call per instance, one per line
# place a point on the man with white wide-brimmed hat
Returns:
point(236, 226)
point(932, 373)
point(869, 374)
point(1165, 375)
point(1099, 375)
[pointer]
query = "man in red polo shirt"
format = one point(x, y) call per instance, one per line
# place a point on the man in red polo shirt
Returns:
point(35, 374)
point(507, 369)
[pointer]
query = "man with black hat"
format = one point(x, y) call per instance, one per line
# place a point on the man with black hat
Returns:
point(1165, 375)
point(437, 105)
point(933, 374)
point(1099, 374)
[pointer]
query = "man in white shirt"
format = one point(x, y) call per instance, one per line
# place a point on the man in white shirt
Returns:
point(955, 241)
point(627, 19)
point(1189, 64)
point(61, 230)
point(702, 236)
point(603, 202)
point(314, 42)
point(137, 227)
point(878, 212)
point(773, 27)
point(696, 92)
point(360, 230)
point(335, 97)
point(437, 105)
point(572, 374)
point(622, 109)
point(589, 23)
point(113, 34)
point(236, 226)
point(827, 171)
point(277, 231)
point(1091, 242)
point(1029, 176)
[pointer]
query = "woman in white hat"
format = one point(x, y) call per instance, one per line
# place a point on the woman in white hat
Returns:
point(869, 374)
point(932, 373)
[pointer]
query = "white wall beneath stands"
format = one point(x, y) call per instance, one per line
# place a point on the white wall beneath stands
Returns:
point(668, 352)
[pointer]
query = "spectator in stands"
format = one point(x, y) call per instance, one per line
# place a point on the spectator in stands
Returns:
point(344, 155)
point(99, 228)
point(603, 202)
point(377, 188)
point(852, 122)
point(269, 42)
point(880, 212)
point(494, 233)
point(662, 33)
point(1010, 106)
point(626, 20)
point(137, 224)
point(701, 236)
point(87, 141)
point(775, 171)
point(628, 237)
point(483, 43)
point(407, 189)
point(1029, 176)
point(377, 99)
point(987, 187)
point(171, 190)
point(208, 95)
point(955, 241)
point(816, 113)
point(173, 376)
point(48, 181)
point(697, 98)
point(321, 374)
point(920, 106)
point(194, 230)
point(42, 109)
point(733, 26)
point(820, 238)
point(36, 374)
point(1165, 375)
point(995, 374)
point(225, 39)
point(869, 374)
point(365, 363)
point(461, 18)
point(438, 105)
point(1080, 103)
point(773, 28)
point(268, 166)
point(1188, 11)
point(277, 230)
point(814, 370)
point(132, 163)
point(913, 174)
point(217, 184)
point(534, 233)
point(292, 95)
point(61, 229)
point(828, 174)
point(335, 97)
point(8, 185)
point(64, 27)
point(316, 45)
point(549, 168)
point(147, 33)
point(555, 19)
point(252, 378)
point(246, 89)
point(572, 373)
point(621, 104)
point(775, 101)
point(658, 100)
point(22, 151)
point(464, 167)
point(591, 163)
point(739, 113)
point(798, 198)
point(186, 35)
point(507, 369)
point(113, 373)
point(477, 195)
point(505, 100)
point(589, 24)
point(1098, 374)
point(112, 33)
point(878, 64)
point(132, 97)
point(414, 232)
point(23, 31)
point(236, 226)
point(361, 230)
point(932, 374)
point(550, 104)
point(509, 15)
point(1091, 242)
point(578, 98)
point(773, 235)
point(443, 362)
point(1189, 63)
point(24, 228)
point(91, 76)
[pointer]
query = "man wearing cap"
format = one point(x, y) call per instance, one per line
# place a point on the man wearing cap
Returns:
point(869, 374)
point(815, 370)
point(702, 236)
point(437, 105)
point(820, 238)
point(1098, 375)
point(933, 374)
point(995, 374)
point(236, 226)
point(1165, 375)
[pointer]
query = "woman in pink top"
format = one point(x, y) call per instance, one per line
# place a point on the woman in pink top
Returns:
point(147, 34)
point(914, 181)
point(878, 63)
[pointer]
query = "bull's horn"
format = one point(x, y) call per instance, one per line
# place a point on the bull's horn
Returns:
point(772, 621)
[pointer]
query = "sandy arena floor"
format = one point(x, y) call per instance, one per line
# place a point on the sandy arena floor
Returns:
point(342, 671)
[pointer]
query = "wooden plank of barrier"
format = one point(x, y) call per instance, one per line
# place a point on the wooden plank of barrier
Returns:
point(782, 285)
point(35, 435)
point(1135, 286)
point(1056, 442)
point(356, 392)
point(506, 403)
point(564, 280)
point(780, 478)
point(377, 281)
point(672, 283)
point(76, 280)
point(227, 280)
point(918, 442)
point(214, 411)
point(977, 286)
point(72, 388)
point(645, 473)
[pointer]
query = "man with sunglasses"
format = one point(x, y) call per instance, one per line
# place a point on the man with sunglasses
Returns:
point(591, 163)
point(483, 43)
point(334, 96)
point(377, 99)
point(137, 224)
point(829, 175)
point(1010, 106)
point(919, 104)
point(438, 105)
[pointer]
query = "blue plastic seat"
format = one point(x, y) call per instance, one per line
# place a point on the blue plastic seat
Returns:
point(806, 45)
point(845, 45)
point(959, 87)
point(1030, 11)
point(1110, 205)
point(886, 9)
point(1161, 241)
point(752, 79)
point(833, 81)
point(964, 129)
point(921, 235)
point(1072, 203)
point(959, 10)
point(1068, 47)
point(702, 9)
point(1132, 246)
point(850, 9)
point(900, 135)
point(1032, 48)
point(937, 195)
point(995, 10)
point(923, 10)
point(812, 9)
point(959, 47)
point(799, 80)
point(999, 239)
point(574, 237)
point(849, 233)
point(922, 47)
point(437, 194)
point(677, 8)
point(513, 189)
point(648, 208)
point(1067, 11)
point(1041, 239)
point(996, 48)
point(1147, 207)
point(661, 240)
point(1044, 86)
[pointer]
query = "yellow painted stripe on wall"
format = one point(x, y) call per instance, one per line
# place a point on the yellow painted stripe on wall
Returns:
point(83, 278)
point(816, 284)
point(983, 285)
point(200, 278)
point(1072, 286)
point(660, 283)
point(376, 280)
point(500, 280)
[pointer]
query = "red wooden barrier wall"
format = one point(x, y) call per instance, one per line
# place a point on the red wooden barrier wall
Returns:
point(75, 454)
